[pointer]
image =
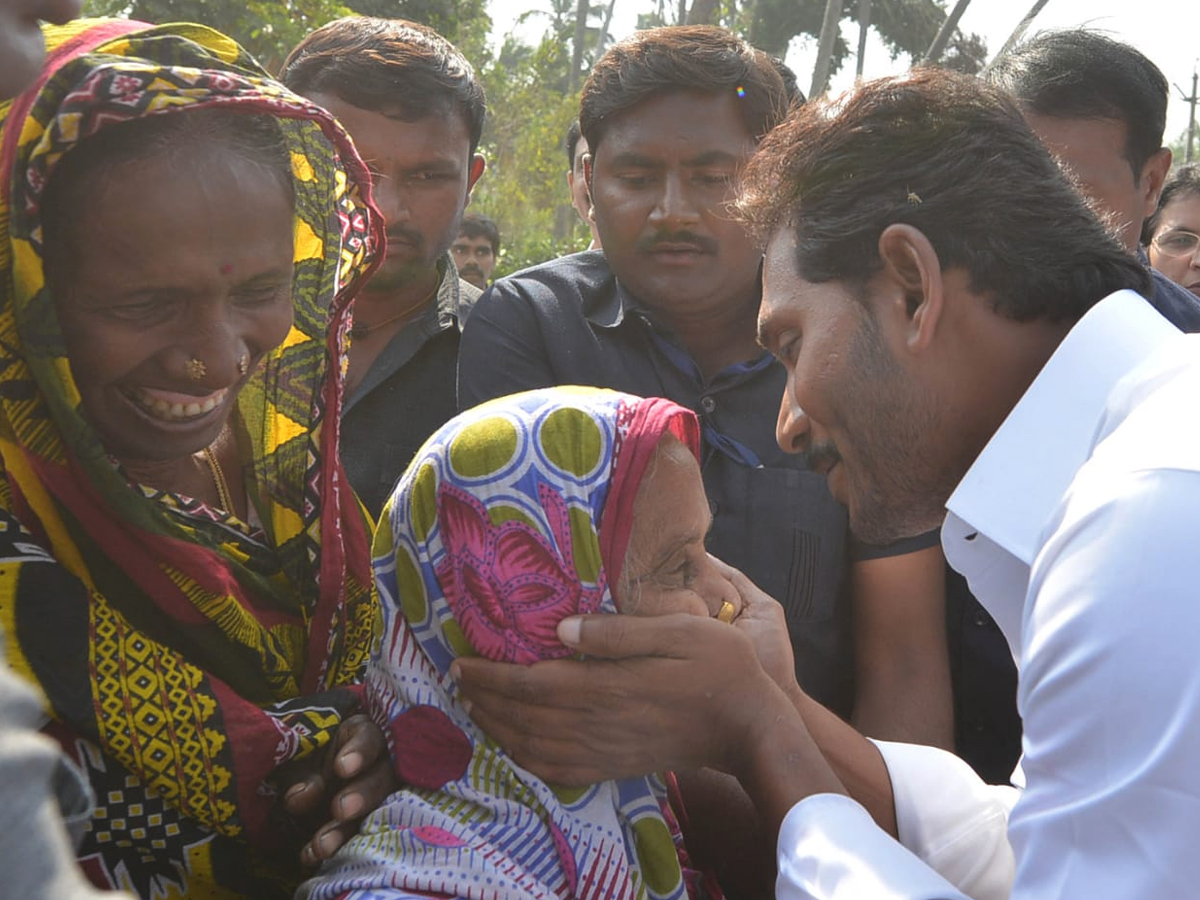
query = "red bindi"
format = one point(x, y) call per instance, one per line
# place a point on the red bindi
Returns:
point(226, 268)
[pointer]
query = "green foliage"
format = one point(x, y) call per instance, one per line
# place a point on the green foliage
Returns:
point(530, 103)
point(525, 186)
point(1179, 149)
point(267, 28)
point(270, 28)
point(906, 27)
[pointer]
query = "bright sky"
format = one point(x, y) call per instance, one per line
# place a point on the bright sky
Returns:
point(1168, 31)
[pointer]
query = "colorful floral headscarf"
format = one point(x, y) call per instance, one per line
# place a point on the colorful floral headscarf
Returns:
point(184, 654)
point(513, 516)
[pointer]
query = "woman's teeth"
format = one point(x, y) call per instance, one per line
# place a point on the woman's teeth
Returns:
point(177, 411)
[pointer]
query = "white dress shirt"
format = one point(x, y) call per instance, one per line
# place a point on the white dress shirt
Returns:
point(1078, 528)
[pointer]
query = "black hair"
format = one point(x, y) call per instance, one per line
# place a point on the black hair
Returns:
point(1082, 74)
point(953, 158)
point(571, 142)
point(388, 65)
point(478, 225)
point(698, 58)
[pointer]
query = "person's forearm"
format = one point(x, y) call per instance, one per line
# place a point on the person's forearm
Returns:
point(855, 761)
point(908, 706)
point(782, 763)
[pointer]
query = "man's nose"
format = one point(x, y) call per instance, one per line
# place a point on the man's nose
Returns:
point(390, 200)
point(793, 428)
point(676, 207)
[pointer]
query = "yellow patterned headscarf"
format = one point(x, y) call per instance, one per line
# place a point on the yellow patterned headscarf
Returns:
point(185, 655)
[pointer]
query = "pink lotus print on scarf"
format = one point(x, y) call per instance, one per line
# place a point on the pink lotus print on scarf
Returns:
point(507, 587)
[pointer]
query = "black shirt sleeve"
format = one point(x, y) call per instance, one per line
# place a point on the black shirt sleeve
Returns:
point(860, 552)
point(503, 349)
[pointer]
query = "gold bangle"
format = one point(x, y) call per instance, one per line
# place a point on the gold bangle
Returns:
point(726, 612)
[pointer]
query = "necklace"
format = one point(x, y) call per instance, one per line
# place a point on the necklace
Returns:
point(218, 477)
point(359, 330)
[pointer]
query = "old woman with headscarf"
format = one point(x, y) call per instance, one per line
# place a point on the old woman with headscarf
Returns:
point(514, 516)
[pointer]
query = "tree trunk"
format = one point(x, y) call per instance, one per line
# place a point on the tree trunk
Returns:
point(829, 32)
point(602, 41)
point(1018, 32)
point(864, 25)
point(938, 47)
point(581, 15)
point(704, 12)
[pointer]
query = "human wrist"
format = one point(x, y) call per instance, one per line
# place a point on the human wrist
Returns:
point(779, 763)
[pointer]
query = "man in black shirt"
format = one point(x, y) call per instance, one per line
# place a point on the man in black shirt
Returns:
point(415, 110)
point(669, 308)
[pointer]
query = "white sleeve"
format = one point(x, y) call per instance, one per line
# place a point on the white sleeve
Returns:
point(831, 849)
point(1110, 691)
point(952, 829)
point(951, 819)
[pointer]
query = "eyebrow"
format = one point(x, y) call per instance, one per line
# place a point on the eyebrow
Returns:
point(709, 158)
point(713, 158)
point(450, 166)
point(271, 278)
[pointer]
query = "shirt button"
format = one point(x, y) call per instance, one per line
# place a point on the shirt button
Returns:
point(708, 404)
point(981, 618)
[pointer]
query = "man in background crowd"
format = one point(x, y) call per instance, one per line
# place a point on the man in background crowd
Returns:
point(1100, 106)
point(476, 249)
point(415, 109)
point(577, 148)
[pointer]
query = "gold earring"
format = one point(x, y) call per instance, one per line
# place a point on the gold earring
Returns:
point(243, 364)
point(196, 369)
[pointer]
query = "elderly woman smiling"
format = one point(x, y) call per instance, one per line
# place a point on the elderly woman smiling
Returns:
point(515, 515)
point(186, 573)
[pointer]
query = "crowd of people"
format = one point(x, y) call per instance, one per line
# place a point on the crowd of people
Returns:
point(824, 530)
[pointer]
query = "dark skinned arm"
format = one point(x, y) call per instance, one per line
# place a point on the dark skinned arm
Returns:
point(902, 667)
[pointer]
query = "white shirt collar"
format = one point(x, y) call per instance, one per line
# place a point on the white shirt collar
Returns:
point(999, 510)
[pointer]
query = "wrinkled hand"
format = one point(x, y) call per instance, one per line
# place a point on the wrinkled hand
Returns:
point(762, 620)
point(673, 692)
point(346, 782)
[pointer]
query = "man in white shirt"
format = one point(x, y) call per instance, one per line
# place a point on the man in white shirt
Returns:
point(960, 333)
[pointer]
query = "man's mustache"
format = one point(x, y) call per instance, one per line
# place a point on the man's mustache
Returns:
point(701, 242)
point(405, 236)
point(821, 457)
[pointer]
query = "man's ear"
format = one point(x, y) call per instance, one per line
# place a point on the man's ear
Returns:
point(1154, 173)
point(913, 289)
point(478, 164)
point(587, 181)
